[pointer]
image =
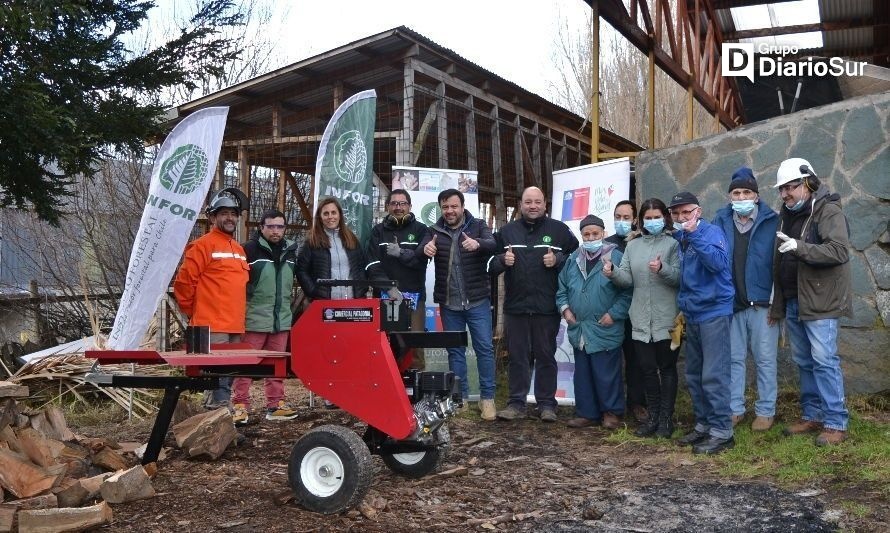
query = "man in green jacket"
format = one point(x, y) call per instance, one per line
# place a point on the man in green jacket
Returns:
point(272, 261)
point(811, 272)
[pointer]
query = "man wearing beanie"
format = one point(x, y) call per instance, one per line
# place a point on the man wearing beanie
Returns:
point(532, 250)
point(705, 298)
point(595, 310)
point(750, 227)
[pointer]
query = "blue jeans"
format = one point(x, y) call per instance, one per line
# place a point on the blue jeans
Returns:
point(478, 319)
point(751, 325)
point(219, 397)
point(814, 349)
point(707, 375)
point(598, 385)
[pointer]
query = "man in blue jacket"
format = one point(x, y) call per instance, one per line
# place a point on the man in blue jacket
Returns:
point(705, 298)
point(750, 227)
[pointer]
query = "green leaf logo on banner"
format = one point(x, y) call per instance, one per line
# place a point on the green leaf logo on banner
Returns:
point(430, 213)
point(350, 157)
point(184, 170)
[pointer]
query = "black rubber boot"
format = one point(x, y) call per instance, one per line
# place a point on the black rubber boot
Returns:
point(668, 398)
point(649, 428)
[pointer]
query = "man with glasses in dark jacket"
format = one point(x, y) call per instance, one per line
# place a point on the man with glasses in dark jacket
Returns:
point(392, 249)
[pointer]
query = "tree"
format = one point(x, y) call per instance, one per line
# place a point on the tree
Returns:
point(72, 93)
point(624, 104)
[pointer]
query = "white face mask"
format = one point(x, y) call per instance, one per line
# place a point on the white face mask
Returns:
point(592, 246)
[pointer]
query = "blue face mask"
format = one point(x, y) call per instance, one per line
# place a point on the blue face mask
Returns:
point(743, 207)
point(797, 206)
point(592, 246)
point(654, 226)
point(622, 227)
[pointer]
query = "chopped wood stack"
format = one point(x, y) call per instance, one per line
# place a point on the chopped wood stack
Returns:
point(47, 473)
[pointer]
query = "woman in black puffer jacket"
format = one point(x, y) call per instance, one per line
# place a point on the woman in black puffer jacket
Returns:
point(331, 251)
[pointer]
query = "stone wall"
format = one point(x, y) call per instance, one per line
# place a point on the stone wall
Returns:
point(848, 144)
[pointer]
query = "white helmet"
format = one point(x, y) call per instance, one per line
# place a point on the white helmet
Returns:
point(793, 169)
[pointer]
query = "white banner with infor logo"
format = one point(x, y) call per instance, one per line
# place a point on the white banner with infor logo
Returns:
point(180, 179)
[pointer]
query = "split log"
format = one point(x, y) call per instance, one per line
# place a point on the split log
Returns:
point(78, 491)
point(12, 390)
point(56, 419)
point(64, 519)
point(21, 477)
point(7, 518)
point(109, 460)
point(8, 436)
point(44, 501)
point(127, 486)
point(206, 434)
point(9, 411)
point(43, 451)
point(97, 443)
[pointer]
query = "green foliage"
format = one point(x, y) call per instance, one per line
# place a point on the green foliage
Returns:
point(72, 93)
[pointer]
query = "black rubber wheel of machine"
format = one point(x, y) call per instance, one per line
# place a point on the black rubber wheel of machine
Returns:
point(330, 469)
point(418, 464)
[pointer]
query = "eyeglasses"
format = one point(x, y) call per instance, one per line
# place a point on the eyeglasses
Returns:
point(788, 187)
point(274, 226)
point(399, 204)
point(685, 212)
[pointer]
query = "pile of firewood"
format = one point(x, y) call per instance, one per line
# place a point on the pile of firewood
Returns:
point(65, 376)
point(54, 480)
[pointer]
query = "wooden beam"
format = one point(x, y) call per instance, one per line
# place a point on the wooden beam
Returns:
point(849, 24)
point(727, 4)
point(404, 141)
point(442, 126)
point(497, 170)
point(595, 81)
point(471, 134)
point(244, 183)
point(298, 139)
point(295, 189)
point(480, 95)
point(517, 155)
point(536, 157)
point(423, 132)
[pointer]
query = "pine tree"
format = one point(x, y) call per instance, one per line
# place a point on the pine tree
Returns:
point(71, 92)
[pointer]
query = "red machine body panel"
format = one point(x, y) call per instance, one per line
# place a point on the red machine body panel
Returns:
point(340, 353)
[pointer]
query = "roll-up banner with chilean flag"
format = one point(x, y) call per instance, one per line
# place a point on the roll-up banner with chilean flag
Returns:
point(180, 179)
point(343, 168)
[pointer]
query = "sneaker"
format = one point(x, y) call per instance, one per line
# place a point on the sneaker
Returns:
point(511, 413)
point(830, 437)
point(282, 412)
point(611, 421)
point(803, 426)
point(486, 407)
point(736, 419)
point(548, 414)
point(762, 423)
point(240, 415)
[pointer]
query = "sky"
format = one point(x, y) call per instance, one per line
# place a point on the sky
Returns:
point(514, 39)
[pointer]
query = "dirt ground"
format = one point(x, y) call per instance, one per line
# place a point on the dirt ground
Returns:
point(525, 476)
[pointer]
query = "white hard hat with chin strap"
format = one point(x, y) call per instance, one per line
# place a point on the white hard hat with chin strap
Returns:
point(793, 169)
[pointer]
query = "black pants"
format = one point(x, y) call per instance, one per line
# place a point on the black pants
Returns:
point(658, 364)
point(633, 374)
point(531, 341)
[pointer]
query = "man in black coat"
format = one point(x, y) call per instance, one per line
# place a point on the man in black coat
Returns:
point(392, 249)
point(532, 250)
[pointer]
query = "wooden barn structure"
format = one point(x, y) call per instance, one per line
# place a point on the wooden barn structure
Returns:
point(435, 109)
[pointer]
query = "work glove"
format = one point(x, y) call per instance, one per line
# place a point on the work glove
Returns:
point(788, 244)
point(393, 249)
point(395, 294)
